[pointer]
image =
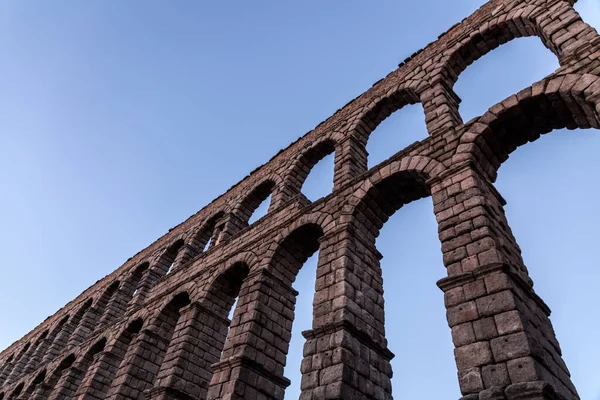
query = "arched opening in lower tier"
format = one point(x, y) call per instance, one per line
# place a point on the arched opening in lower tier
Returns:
point(396, 222)
point(551, 208)
point(261, 326)
point(102, 374)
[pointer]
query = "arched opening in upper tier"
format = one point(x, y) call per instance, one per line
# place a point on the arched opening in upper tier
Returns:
point(501, 73)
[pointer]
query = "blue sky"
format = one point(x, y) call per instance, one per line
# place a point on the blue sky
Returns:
point(118, 121)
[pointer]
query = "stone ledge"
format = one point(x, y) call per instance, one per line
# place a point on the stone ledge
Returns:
point(243, 361)
point(353, 330)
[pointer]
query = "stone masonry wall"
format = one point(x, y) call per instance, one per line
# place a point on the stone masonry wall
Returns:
point(158, 328)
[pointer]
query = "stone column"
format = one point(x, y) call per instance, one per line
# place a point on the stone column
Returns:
point(34, 361)
point(257, 344)
point(19, 364)
point(69, 382)
point(196, 345)
point(505, 346)
point(346, 354)
point(42, 391)
point(60, 341)
point(150, 276)
point(96, 382)
point(138, 369)
point(115, 308)
point(350, 160)
point(86, 326)
point(6, 370)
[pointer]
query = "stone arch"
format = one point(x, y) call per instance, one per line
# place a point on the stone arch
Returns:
point(207, 234)
point(71, 378)
point(47, 386)
point(303, 164)
point(103, 370)
point(418, 168)
point(256, 196)
point(526, 20)
point(63, 337)
point(168, 258)
point(14, 365)
point(149, 348)
point(133, 281)
point(260, 332)
point(34, 356)
point(200, 333)
point(17, 391)
point(348, 303)
point(569, 101)
point(39, 378)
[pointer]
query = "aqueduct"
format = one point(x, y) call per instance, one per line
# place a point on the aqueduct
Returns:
point(158, 327)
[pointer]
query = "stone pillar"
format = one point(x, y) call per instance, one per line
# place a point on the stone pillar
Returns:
point(139, 297)
point(59, 342)
point(6, 370)
point(104, 366)
point(34, 361)
point(115, 308)
point(20, 363)
point(254, 355)
point(350, 160)
point(346, 354)
point(42, 391)
point(86, 326)
point(69, 382)
point(96, 382)
point(196, 345)
point(505, 346)
point(440, 104)
point(138, 369)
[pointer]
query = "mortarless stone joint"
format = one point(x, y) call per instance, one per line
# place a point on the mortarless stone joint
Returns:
point(158, 327)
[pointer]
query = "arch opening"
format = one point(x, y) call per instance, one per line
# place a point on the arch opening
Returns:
point(167, 261)
point(208, 235)
point(398, 231)
point(552, 214)
point(271, 281)
point(554, 227)
point(36, 381)
point(506, 70)
point(395, 132)
point(312, 175)
point(256, 204)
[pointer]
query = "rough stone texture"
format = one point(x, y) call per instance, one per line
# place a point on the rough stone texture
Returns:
point(157, 327)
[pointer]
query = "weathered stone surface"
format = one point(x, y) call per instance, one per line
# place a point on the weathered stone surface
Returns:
point(158, 326)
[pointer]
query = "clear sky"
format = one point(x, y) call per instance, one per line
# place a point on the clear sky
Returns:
point(118, 120)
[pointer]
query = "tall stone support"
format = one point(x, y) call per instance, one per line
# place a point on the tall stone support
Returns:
point(60, 341)
point(150, 276)
point(86, 326)
point(20, 363)
point(36, 358)
point(505, 346)
point(139, 368)
point(69, 382)
point(96, 383)
point(115, 308)
point(105, 365)
point(346, 354)
point(197, 342)
point(6, 369)
point(350, 161)
point(256, 347)
point(45, 388)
